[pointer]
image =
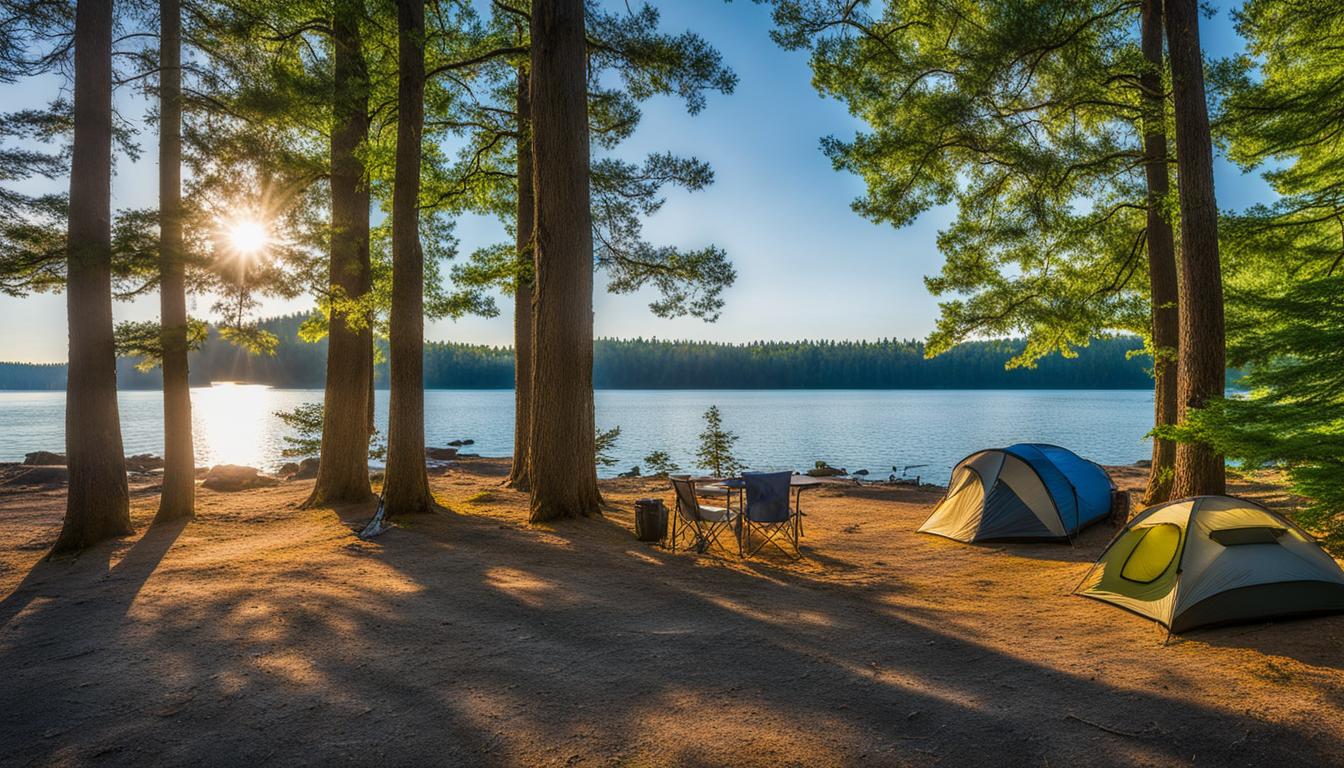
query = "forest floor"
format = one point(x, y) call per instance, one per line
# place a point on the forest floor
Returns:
point(265, 634)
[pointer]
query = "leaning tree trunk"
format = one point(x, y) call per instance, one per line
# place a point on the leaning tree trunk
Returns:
point(561, 453)
point(1161, 257)
point(1201, 367)
point(522, 295)
point(97, 504)
point(406, 489)
point(178, 498)
point(343, 469)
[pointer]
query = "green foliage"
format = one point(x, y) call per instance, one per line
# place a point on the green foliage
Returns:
point(32, 130)
point(494, 265)
point(715, 453)
point(257, 142)
point(144, 339)
point(660, 464)
point(314, 327)
point(1026, 117)
point(251, 337)
point(1282, 260)
point(626, 42)
point(32, 246)
point(135, 252)
point(443, 299)
point(30, 26)
point(1279, 107)
point(688, 282)
point(258, 121)
point(1279, 99)
point(630, 61)
point(1293, 418)
point(604, 442)
point(306, 421)
point(35, 143)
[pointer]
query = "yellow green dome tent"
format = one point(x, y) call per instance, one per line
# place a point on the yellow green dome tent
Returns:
point(1214, 560)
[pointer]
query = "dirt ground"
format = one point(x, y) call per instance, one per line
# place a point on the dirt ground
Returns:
point(268, 635)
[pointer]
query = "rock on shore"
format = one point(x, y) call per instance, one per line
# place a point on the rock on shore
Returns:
point(232, 477)
point(143, 462)
point(44, 459)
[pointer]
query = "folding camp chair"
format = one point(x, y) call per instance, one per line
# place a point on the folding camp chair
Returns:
point(768, 513)
point(704, 522)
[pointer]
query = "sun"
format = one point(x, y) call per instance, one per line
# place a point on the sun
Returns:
point(247, 237)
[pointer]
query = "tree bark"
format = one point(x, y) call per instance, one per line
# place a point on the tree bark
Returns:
point(522, 295)
point(1201, 367)
point(343, 469)
point(98, 504)
point(561, 453)
point(1161, 257)
point(178, 498)
point(406, 489)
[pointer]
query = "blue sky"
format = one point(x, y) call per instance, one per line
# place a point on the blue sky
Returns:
point(808, 267)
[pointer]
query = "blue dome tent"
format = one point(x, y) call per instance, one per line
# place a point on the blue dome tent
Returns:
point(1028, 491)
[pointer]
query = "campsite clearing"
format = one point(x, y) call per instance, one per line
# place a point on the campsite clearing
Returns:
point(266, 633)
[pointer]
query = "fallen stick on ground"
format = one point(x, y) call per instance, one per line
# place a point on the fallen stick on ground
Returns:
point(1116, 731)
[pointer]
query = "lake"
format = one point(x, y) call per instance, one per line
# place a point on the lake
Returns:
point(778, 429)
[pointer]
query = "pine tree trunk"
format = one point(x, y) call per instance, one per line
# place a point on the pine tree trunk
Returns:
point(561, 463)
point(1201, 367)
point(406, 489)
point(343, 468)
point(178, 498)
point(522, 296)
point(98, 504)
point(1161, 257)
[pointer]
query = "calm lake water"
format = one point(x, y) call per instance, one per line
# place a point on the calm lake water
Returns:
point(789, 429)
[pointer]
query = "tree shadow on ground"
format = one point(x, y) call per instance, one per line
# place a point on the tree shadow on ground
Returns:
point(122, 561)
point(460, 639)
point(1297, 638)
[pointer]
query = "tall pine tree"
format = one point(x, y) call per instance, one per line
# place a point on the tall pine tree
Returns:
point(1043, 122)
point(406, 487)
point(561, 452)
point(343, 474)
point(628, 49)
point(178, 497)
point(98, 502)
point(1201, 366)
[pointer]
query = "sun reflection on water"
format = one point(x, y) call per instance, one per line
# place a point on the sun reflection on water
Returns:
point(234, 424)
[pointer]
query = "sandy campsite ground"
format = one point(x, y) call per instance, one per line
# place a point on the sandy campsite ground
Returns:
point(264, 634)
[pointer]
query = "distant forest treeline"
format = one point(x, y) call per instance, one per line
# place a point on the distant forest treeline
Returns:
point(655, 364)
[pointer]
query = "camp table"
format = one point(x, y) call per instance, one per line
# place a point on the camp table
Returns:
point(797, 483)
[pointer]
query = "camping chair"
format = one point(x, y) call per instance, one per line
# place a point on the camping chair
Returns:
point(706, 523)
point(768, 513)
